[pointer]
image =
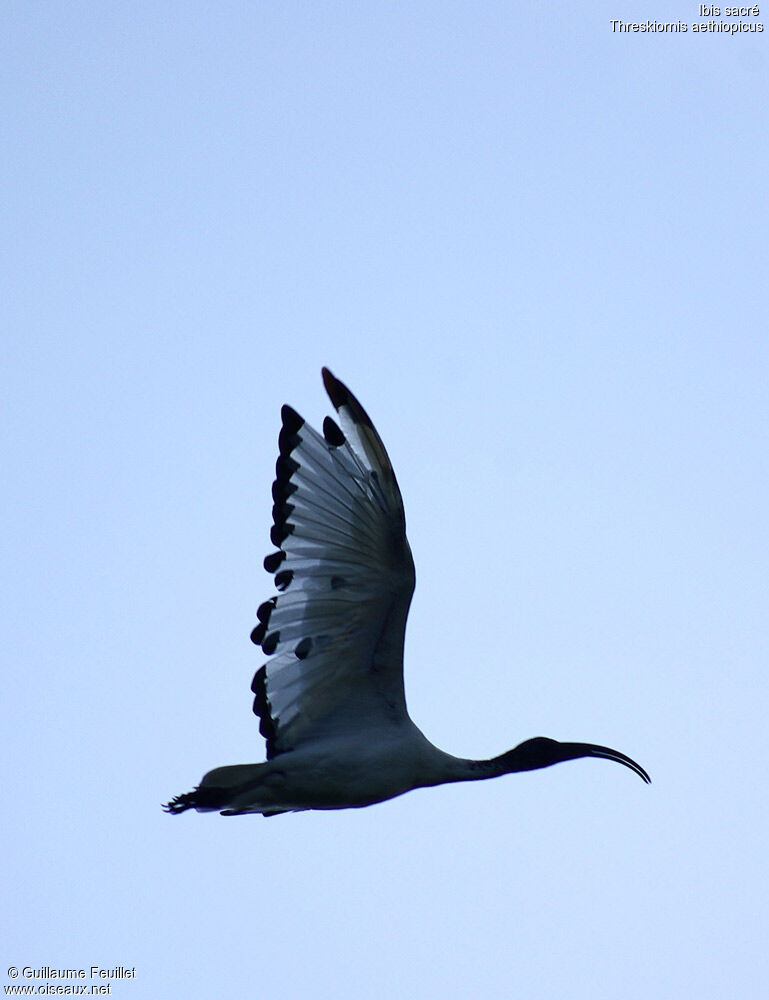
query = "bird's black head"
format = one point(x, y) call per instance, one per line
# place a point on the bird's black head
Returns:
point(542, 752)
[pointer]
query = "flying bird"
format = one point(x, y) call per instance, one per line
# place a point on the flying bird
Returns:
point(330, 698)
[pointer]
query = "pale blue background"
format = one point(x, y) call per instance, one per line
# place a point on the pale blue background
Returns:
point(537, 251)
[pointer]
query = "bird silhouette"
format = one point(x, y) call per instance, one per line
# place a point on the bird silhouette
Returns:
point(330, 699)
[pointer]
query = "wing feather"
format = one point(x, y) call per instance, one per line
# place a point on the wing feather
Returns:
point(345, 574)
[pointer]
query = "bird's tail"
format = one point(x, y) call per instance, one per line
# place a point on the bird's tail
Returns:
point(219, 789)
point(202, 799)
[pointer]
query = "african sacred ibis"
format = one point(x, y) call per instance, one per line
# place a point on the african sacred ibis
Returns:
point(330, 698)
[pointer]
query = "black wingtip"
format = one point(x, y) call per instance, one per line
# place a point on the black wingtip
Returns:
point(332, 433)
point(273, 560)
point(291, 419)
point(181, 803)
point(341, 396)
point(337, 391)
point(302, 650)
point(262, 711)
point(284, 578)
point(270, 643)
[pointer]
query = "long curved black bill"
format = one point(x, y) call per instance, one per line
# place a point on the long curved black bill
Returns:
point(575, 750)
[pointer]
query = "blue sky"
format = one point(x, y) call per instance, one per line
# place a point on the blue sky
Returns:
point(537, 252)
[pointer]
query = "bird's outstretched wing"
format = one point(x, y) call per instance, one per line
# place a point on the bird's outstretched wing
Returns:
point(345, 576)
